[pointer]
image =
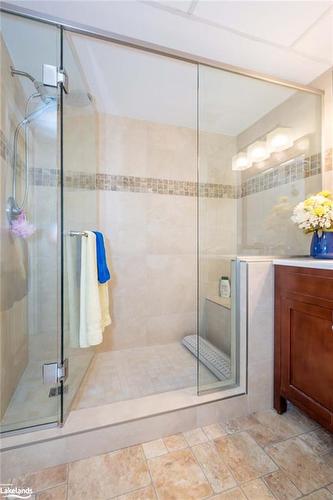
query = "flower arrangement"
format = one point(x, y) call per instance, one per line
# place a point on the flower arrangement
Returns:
point(315, 213)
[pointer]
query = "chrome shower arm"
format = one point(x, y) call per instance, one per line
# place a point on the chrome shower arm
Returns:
point(17, 72)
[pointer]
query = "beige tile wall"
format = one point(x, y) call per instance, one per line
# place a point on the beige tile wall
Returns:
point(151, 238)
point(142, 148)
point(151, 244)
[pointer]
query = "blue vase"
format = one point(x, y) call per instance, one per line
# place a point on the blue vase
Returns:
point(322, 245)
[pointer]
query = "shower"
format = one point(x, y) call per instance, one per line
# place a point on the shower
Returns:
point(14, 208)
point(76, 99)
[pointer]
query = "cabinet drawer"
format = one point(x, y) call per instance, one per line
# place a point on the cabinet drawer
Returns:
point(316, 283)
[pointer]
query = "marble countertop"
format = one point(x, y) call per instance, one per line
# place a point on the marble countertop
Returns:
point(305, 262)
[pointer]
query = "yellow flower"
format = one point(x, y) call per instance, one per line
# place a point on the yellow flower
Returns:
point(326, 194)
point(319, 211)
point(309, 202)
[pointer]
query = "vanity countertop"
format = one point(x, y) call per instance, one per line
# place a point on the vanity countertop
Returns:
point(305, 262)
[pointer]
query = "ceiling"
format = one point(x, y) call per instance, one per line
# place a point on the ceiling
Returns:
point(288, 39)
point(270, 37)
point(136, 84)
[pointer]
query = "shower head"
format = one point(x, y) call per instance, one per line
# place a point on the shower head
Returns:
point(39, 86)
point(43, 94)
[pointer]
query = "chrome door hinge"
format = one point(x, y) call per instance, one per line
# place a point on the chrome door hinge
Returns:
point(53, 373)
point(54, 76)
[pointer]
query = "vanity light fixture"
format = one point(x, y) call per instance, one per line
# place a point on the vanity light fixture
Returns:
point(240, 161)
point(257, 152)
point(279, 139)
point(276, 141)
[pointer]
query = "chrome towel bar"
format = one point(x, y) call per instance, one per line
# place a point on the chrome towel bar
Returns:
point(78, 233)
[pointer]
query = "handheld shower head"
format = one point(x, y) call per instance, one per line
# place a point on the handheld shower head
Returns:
point(42, 90)
point(39, 86)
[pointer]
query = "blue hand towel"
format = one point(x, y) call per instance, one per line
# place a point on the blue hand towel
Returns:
point(102, 267)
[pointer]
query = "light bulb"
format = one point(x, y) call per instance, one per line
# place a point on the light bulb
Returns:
point(279, 139)
point(240, 161)
point(257, 152)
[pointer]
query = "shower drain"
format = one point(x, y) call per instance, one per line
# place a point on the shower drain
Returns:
point(215, 360)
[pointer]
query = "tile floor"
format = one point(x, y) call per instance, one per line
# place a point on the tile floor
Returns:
point(138, 372)
point(259, 457)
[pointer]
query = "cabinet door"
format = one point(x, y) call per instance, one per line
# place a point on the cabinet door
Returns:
point(307, 356)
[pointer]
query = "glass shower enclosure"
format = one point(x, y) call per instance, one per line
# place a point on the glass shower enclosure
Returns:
point(170, 178)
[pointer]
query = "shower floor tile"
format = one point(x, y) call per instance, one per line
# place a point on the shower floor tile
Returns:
point(138, 372)
point(30, 403)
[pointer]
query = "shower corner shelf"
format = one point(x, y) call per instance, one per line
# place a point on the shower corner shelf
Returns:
point(221, 301)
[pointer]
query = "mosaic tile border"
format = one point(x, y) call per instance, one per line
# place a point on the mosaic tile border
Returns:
point(107, 182)
point(293, 170)
point(290, 171)
point(285, 173)
point(164, 186)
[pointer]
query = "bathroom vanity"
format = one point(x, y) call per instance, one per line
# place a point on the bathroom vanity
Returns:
point(303, 359)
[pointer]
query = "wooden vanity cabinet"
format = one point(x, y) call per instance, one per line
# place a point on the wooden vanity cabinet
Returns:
point(303, 370)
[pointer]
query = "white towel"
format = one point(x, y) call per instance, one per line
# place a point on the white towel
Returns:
point(72, 289)
point(104, 302)
point(91, 327)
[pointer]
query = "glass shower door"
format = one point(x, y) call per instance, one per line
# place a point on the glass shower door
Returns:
point(30, 213)
point(79, 209)
point(217, 339)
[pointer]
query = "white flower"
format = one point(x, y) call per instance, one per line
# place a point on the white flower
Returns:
point(316, 212)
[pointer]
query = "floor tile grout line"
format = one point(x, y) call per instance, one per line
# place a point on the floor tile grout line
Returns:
point(148, 468)
point(43, 490)
point(263, 483)
point(283, 472)
point(272, 459)
point(224, 462)
point(203, 471)
point(227, 466)
point(241, 483)
point(295, 437)
point(263, 447)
